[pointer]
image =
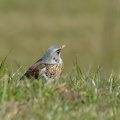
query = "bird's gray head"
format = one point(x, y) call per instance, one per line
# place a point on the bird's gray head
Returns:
point(52, 55)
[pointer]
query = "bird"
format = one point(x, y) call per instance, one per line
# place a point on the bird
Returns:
point(50, 66)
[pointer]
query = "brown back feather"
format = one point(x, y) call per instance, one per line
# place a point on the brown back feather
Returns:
point(33, 71)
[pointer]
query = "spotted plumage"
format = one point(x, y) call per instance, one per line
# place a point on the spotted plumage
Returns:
point(53, 70)
point(50, 66)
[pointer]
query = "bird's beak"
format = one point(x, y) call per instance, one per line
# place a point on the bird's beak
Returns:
point(63, 46)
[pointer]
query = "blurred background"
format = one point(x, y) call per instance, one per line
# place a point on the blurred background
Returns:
point(90, 29)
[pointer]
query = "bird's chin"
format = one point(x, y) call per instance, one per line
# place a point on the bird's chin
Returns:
point(51, 63)
point(54, 62)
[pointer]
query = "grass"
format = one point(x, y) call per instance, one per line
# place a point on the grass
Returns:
point(76, 96)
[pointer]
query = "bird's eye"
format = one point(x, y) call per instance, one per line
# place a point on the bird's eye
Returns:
point(58, 51)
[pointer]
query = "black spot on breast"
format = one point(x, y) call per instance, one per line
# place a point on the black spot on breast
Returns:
point(46, 74)
point(56, 59)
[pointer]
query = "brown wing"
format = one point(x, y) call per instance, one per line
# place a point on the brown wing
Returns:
point(33, 71)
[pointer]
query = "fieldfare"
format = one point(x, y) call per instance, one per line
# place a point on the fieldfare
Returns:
point(50, 66)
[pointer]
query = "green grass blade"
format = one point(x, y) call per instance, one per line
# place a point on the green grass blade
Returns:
point(2, 67)
point(4, 90)
point(78, 70)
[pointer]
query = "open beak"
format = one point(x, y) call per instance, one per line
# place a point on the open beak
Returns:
point(63, 46)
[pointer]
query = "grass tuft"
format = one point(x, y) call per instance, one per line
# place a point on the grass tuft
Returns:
point(76, 96)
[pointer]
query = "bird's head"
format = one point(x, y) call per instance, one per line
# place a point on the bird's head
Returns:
point(52, 55)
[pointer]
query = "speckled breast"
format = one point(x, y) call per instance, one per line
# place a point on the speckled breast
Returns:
point(53, 70)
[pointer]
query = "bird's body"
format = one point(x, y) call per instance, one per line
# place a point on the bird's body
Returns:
point(50, 66)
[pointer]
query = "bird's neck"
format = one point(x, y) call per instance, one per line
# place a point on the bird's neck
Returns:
point(60, 62)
